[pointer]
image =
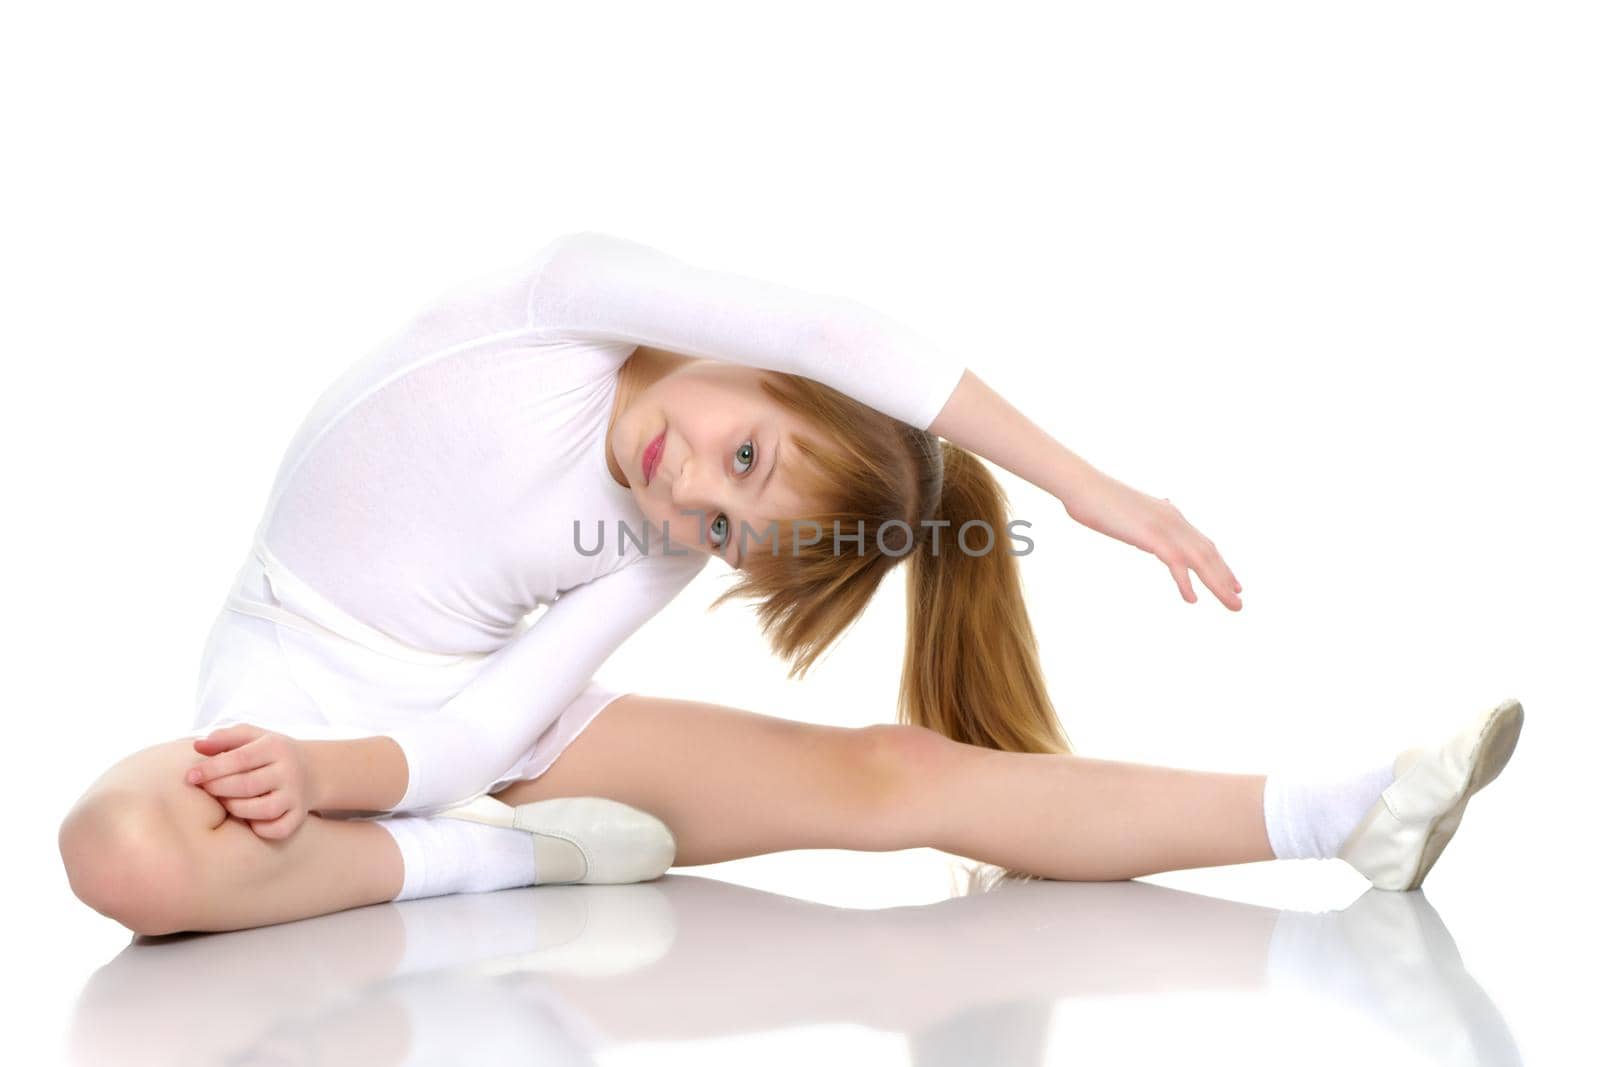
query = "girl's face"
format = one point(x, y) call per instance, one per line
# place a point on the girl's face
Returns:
point(722, 458)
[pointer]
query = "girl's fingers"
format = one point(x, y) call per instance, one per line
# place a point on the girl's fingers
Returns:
point(1210, 570)
point(244, 758)
point(1218, 578)
point(1233, 583)
point(1215, 583)
point(225, 738)
point(1207, 563)
point(1213, 573)
point(253, 783)
point(275, 829)
point(1180, 574)
point(268, 806)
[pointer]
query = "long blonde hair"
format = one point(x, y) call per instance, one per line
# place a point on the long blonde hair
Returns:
point(971, 668)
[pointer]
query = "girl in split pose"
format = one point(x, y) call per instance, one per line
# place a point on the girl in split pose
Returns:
point(377, 719)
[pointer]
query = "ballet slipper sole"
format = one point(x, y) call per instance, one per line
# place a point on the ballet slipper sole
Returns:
point(1401, 836)
point(1496, 741)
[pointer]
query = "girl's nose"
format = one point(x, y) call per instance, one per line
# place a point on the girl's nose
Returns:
point(694, 493)
point(687, 490)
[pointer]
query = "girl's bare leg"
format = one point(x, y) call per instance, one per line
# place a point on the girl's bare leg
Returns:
point(161, 856)
point(732, 783)
point(1085, 819)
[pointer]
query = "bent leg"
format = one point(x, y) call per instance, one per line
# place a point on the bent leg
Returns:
point(160, 856)
point(732, 783)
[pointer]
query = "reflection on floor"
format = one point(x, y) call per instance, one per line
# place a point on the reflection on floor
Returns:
point(696, 969)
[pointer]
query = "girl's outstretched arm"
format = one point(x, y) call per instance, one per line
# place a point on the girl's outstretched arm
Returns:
point(980, 420)
point(597, 286)
point(594, 286)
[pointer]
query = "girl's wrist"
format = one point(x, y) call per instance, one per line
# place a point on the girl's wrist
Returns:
point(1077, 483)
point(364, 774)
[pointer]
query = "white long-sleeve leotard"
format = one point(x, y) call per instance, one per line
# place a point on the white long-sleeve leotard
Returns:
point(431, 492)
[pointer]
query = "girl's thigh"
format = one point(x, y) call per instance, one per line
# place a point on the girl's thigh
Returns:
point(733, 783)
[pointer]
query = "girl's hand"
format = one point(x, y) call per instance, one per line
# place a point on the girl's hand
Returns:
point(1122, 512)
point(259, 776)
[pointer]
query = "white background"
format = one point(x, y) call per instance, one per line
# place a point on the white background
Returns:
point(1325, 276)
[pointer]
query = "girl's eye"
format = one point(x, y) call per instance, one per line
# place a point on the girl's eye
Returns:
point(718, 530)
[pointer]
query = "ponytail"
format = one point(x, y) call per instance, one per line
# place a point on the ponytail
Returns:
point(971, 667)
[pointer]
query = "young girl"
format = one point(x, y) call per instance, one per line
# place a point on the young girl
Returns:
point(378, 720)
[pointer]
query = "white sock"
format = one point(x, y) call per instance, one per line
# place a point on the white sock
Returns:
point(445, 855)
point(1310, 813)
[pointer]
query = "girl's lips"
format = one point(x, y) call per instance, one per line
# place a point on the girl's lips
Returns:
point(652, 455)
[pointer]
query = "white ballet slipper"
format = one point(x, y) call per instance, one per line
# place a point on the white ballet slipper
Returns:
point(582, 840)
point(1403, 833)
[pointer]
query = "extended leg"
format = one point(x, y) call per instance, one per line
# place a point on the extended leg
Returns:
point(1083, 819)
point(732, 783)
point(159, 855)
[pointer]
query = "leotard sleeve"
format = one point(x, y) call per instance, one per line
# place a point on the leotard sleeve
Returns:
point(596, 286)
point(453, 754)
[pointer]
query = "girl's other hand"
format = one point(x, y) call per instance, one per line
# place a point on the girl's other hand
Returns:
point(259, 776)
point(1155, 525)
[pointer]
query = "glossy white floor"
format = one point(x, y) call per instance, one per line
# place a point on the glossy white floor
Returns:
point(1323, 275)
point(876, 958)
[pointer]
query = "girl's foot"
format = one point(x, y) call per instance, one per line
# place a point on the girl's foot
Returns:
point(1402, 834)
point(588, 840)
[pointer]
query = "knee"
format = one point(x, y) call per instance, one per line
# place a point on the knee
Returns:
point(125, 857)
point(903, 759)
